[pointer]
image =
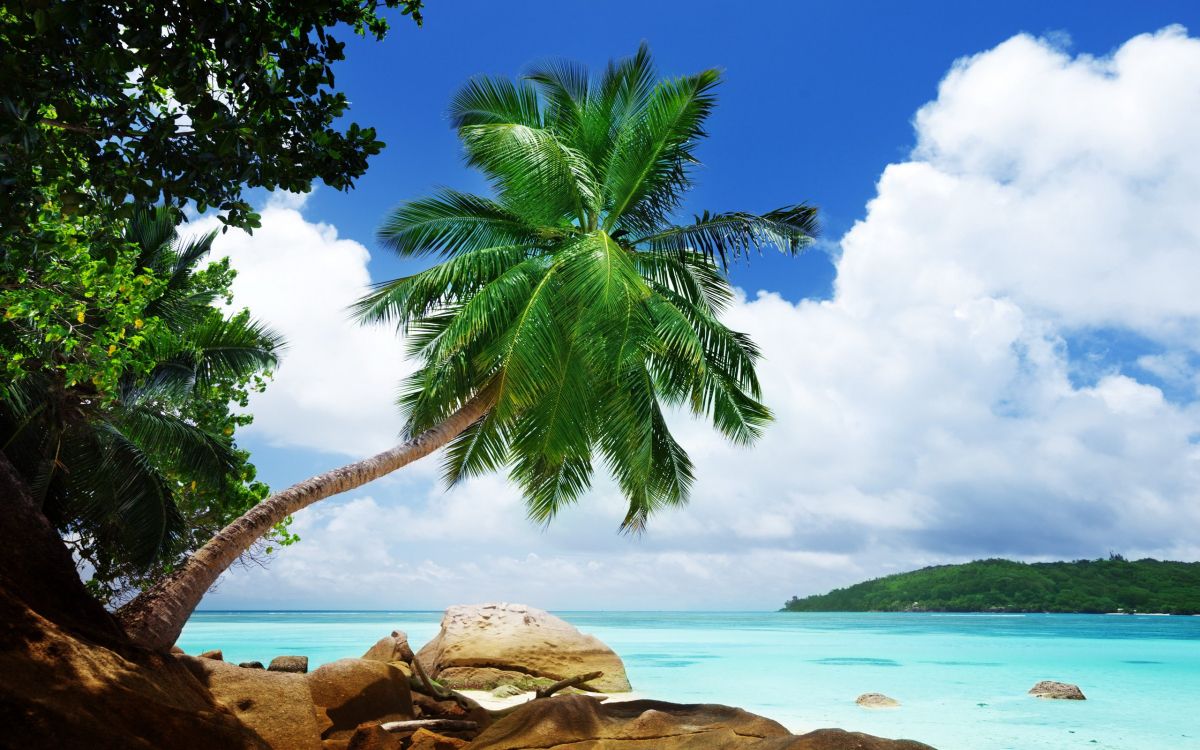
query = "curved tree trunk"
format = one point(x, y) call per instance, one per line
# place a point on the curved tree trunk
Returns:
point(155, 618)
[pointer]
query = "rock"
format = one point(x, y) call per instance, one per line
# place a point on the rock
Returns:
point(176, 650)
point(579, 722)
point(370, 736)
point(584, 723)
point(423, 739)
point(876, 700)
point(1057, 690)
point(391, 648)
point(62, 691)
point(214, 654)
point(354, 691)
point(837, 739)
point(507, 691)
point(296, 664)
point(251, 665)
point(278, 706)
point(517, 638)
point(489, 678)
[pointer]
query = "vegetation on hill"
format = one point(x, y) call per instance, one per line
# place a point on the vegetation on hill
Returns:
point(1112, 585)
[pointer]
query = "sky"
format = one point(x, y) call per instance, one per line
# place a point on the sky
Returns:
point(994, 349)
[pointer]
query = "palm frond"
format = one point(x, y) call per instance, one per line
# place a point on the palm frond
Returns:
point(451, 223)
point(495, 101)
point(729, 236)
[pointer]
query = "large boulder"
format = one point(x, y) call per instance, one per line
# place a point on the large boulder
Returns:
point(276, 705)
point(579, 722)
point(1057, 690)
point(59, 689)
point(354, 691)
point(294, 664)
point(517, 638)
point(838, 739)
point(391, 648)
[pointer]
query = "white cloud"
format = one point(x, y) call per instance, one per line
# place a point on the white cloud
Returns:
point(335, 388)
point(925, 413)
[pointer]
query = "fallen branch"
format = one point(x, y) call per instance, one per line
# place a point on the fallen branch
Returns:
point(442, 725)
point(430, 688)
point(575, 681)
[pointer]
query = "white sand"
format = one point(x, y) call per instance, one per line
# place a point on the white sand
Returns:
point(492, 703)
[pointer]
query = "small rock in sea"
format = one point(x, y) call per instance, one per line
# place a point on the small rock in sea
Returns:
point(876, 700)
point(298, 664)
point(176, 650)
point(214, 654)
point(507, 691)
point(1057, 690)
point(251, 665)
point(391, 648)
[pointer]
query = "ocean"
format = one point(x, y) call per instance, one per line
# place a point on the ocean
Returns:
point(961, 678)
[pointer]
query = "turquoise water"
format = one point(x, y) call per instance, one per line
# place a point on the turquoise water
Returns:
point(962, 679)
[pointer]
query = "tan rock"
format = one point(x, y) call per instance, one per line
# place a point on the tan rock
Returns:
point(489, 678)
point(423, 739)
point(251, 665)
point(371, 736)
point(837, 739)
point(1057, 691)
point(62, 690)
point(517, 638)
point(391, 648)
point(580, 722)
point(876, 700)
point(354, 691)
point(296, 664)
point(213, 654)
point(277, 706)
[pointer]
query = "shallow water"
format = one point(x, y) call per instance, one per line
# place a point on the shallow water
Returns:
point(962, 679)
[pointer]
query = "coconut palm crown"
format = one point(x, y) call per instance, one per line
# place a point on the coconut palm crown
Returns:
point(570, 300)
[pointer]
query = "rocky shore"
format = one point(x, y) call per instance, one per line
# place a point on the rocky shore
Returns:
point(496, 677)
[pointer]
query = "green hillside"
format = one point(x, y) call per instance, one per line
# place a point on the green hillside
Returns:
point(1110, 585)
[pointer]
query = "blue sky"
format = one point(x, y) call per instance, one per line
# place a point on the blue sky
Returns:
point(1073, 345)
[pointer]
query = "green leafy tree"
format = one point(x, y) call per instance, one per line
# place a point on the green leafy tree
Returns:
point(107, 101)
point(565, 313)
point(136, 466)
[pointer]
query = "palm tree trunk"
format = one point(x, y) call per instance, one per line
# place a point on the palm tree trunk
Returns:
point(155, 618)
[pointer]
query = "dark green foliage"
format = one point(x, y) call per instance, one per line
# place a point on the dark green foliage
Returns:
point(136, 466)
point(172, 101)
point(1092, 586)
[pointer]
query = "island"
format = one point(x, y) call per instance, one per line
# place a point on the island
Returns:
point(1110, 585)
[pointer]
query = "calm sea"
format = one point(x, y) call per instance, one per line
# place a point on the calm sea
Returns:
point(962, 679)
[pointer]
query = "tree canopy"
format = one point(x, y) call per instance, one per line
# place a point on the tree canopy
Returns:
point(110, 103)
point(1110, 585)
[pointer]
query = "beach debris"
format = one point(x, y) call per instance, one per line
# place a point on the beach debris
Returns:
point(1057, 691)
point(876, 700)
point(575, 681)
point(297, 664)
point(353, 691)
point(213, 654)
point(442, 725)
point(391, 648)
point(522, 641)
point(251, 665)
point(507, 691)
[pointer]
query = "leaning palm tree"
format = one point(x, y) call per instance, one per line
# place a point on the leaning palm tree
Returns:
point(565, 314)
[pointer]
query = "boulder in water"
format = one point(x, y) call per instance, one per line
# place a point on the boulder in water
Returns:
point(214, 654)
point(520, 639)
point(1064, 691)
point(296, 664)
point(876, 700)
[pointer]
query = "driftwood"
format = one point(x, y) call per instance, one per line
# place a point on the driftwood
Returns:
point(437, 691)
point(434, 725)
point(575, 681)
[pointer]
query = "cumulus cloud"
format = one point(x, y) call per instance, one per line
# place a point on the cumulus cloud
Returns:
point(334, 391)
point(926, 413)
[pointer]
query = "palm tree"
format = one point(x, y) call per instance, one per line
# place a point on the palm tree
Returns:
point(108, 472)
point(563, 315)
